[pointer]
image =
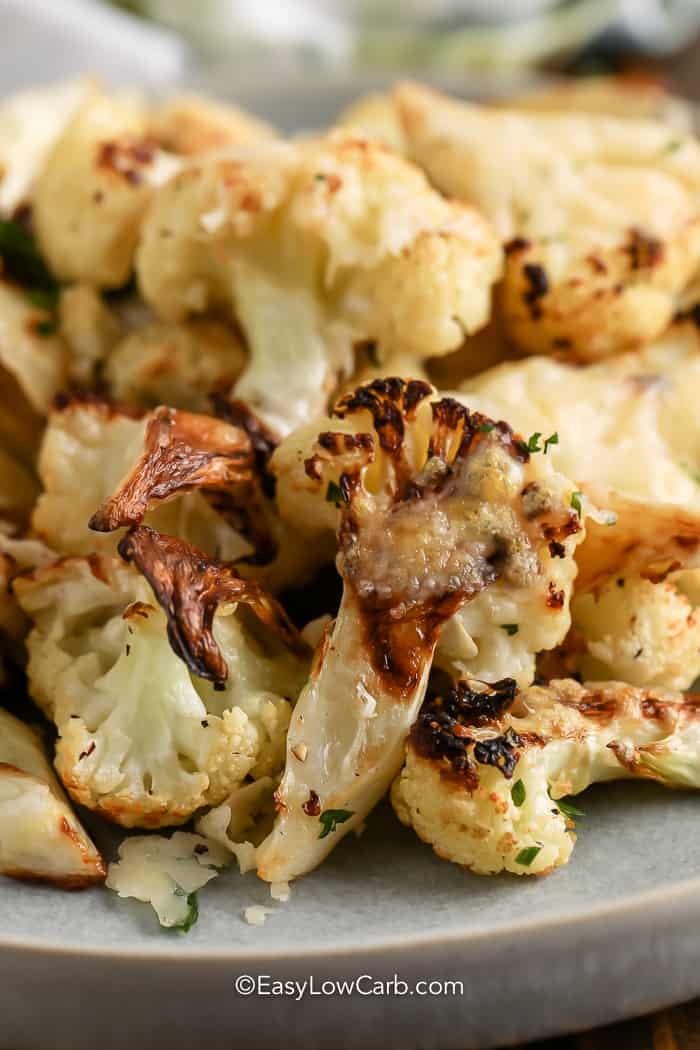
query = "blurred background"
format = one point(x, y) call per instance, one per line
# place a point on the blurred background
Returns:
point(297, 62)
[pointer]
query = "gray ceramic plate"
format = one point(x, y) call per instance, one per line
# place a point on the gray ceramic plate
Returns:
point(615, 933)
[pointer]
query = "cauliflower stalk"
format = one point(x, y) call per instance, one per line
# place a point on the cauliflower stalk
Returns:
point(486, 765)
point(438, 505)
point(142, 740)
point(314, 247)
point(40, 836)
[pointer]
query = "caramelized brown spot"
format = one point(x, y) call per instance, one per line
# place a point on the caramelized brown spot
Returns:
point(190, 587)
point(644, 251)
point(141, 610)
point(538, 286)
point(555, 598)
point(126, 158)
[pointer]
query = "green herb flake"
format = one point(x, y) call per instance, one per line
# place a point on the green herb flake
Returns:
point(510, 628)
point(191, 917)
point(334, 494)
point(518, 793)
point(672, 146)
point(21, 259)
point(576, 503)
point(553, 439)
point(568, 809)
point(486, 428)
point(330, 818)
point(527, 855)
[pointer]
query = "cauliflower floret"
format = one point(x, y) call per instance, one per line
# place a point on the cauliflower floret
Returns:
point(142, 740)
point(313, 247)
point(89, 447)
point(641, 632)
point(438, 505)
point(90, 328)
point(374, 117)
point(40, 837)
point(29, 351)
point(482, 777)
point(175, 364)
point(626, 95)
point(91, 194)
point(606, 412)
point(30, 123)
point(189, 125)
point(599, 214)
point(166, 873)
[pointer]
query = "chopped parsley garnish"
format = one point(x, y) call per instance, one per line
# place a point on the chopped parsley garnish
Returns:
point(330, 818)
point(510, 628)
point(486, 428)
point(672, 146)
point(533, 443)
point(192, 914)
point(576, 503)
point(518, 793)
point(45, 328)
point(334, 494)
point(568, 809)
point(527, 855)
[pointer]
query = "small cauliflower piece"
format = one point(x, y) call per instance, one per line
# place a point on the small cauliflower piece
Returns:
point(175, 364)
point(90, 446)
point(641, 632)
point(314, 247)
point(34, 356)
point(485, 766)
point(91, 194)
point(90, 329)
point(40, 837)
point(142, 741)
point(166, 873)
point(242, 821)
point(374, 117)
point(189, 125)
point(30, 123)
point(438, 506)
point(630, 95)
point(599, 215)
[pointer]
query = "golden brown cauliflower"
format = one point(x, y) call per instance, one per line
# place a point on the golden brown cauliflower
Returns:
point(315, 247)
point(599, 215)
point(486, 766)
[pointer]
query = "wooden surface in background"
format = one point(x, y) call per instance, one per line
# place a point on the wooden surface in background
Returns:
point(676, 1029)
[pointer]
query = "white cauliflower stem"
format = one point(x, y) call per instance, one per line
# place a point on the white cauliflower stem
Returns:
point(485, 766)
point(40, 836)
point(437, 506)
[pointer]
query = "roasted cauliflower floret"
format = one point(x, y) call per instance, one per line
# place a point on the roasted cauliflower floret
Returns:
point(314, 247)
point(90, 329)
point(40, 836)
point(142, 740)
point(91, 194)
point(188, 125)
point(33, 355)
point(30, 123)
point(638, 631)
point(599, 215)
point(374, 117)
point(438, 506)
point(90, 448)
point(485, 766)
point(162, 363)
point(627, 95)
